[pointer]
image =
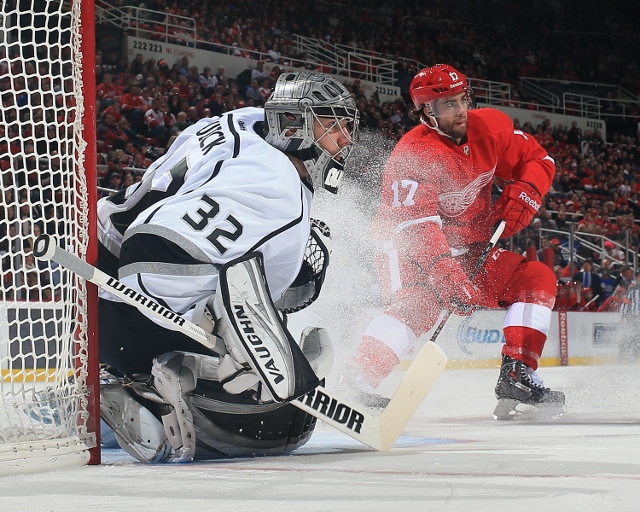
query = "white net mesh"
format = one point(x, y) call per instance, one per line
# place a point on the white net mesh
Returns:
point(43, 308)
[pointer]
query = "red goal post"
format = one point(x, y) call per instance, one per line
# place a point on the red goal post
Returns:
point(49, 399)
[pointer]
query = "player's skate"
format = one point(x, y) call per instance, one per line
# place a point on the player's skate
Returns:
point(354, 383)
point(520, 392)
point(137, 430)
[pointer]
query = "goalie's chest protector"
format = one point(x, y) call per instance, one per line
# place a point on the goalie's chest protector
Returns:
point(237, 194)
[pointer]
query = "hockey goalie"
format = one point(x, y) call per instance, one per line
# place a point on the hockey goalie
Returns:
point(435, 218)
point(220, 232)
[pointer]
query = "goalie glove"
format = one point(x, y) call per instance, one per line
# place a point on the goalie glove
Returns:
point(452, 286)
point(517, 205)
point(306, 287)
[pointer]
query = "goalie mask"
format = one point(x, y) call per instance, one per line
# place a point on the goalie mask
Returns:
point(313, 117)
point(442, 97)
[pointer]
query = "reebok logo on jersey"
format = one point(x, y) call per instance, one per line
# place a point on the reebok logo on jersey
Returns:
point(531, 202)
point(333, 409)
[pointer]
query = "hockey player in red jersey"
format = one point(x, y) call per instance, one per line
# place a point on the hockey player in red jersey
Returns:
point(435, 218)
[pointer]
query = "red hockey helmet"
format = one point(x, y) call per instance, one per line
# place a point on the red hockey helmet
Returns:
point(438, 81)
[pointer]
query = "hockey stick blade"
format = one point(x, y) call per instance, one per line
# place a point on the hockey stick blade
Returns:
point(411, 392)
point(381, 431)
point(358, 422)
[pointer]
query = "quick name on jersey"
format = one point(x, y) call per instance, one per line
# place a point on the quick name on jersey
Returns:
point(211, 130)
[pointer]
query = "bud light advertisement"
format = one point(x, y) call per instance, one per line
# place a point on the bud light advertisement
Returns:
point(471, 334)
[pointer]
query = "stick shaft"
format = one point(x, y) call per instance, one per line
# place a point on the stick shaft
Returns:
point(44, 249)
point(595, 298)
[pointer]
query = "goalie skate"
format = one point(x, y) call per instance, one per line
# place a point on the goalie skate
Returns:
point(521, 394)
point(135, 428)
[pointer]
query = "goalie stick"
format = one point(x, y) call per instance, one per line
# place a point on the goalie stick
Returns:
point(379, 431)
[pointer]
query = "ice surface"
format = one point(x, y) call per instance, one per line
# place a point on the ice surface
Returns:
point(452, 456)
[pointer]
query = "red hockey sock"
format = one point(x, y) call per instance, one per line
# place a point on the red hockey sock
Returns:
point(524, 343)
point(375, 360)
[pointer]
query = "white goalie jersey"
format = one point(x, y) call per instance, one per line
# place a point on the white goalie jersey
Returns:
point(219, 192)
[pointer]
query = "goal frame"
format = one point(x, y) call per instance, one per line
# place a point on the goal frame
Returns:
point(88, 49)
point(36, 455)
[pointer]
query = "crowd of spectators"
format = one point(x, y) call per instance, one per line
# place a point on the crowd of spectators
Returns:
point(498, 41)
point(35, 122)
point(594, 47)
point(139, 111)
point(595, 194)
point(142, 105)
point(597, 185)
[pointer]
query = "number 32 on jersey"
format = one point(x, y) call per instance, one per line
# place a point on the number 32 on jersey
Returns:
point(207, 215)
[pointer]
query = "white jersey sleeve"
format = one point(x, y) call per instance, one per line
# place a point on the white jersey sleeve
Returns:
point(219, 193)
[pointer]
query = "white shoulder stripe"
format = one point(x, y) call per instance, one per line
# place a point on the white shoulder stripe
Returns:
point(434, 218)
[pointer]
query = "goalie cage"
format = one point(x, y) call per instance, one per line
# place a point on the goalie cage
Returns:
point(48, 356)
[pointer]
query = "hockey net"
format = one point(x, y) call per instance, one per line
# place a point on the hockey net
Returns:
point(47, 141)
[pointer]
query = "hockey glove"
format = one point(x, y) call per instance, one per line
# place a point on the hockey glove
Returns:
point(452, 286)
point(517, 205)
point(307, 285)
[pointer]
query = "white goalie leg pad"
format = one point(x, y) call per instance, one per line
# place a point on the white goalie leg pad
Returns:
point(137, 430)
point(317, 347)
point(251, 329)
point(175, 375)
